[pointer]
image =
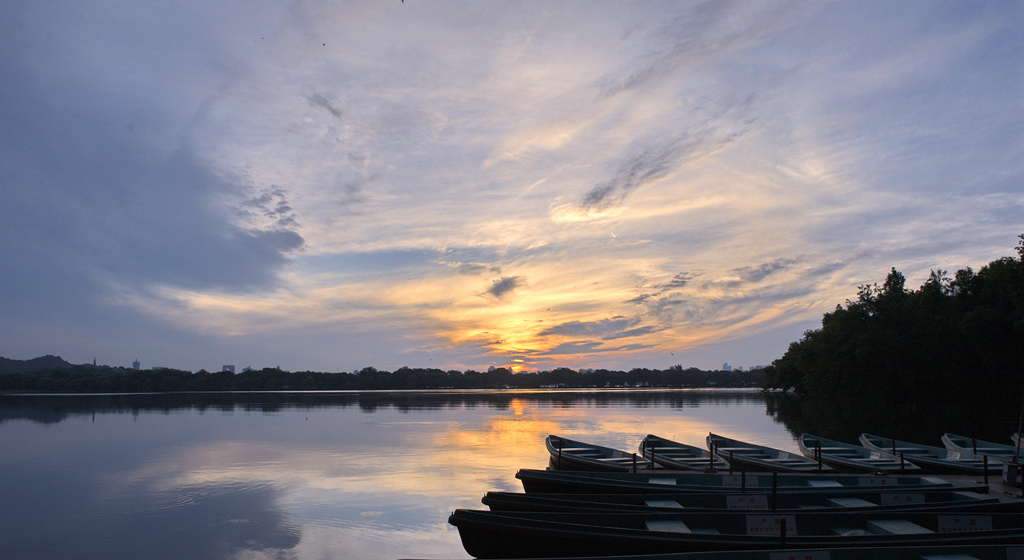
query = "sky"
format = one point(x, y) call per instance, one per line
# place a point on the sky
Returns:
point(328, 186)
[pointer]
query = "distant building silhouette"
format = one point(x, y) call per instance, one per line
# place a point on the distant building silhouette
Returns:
point(136, 364)
point(230, 368)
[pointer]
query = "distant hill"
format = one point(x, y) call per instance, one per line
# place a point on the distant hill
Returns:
point(42, 363)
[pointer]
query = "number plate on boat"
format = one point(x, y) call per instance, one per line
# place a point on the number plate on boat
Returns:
point(746, 501)
point(900, 499)
point(736, 481)
point(768, 525)
point(877, 481)
point(964, 523)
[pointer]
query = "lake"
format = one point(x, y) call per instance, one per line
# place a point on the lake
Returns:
point(306, 476)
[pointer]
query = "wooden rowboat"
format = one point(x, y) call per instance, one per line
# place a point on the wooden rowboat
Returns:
point(754, 501)
point(749, 456)
point(663, 482)
point(967, 446)
point(846, 457)
point(571, 455)
point(935, 460)
point(680, 456)
point(489, 534)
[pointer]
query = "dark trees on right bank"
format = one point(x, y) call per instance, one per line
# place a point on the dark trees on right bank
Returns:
point(953, 347)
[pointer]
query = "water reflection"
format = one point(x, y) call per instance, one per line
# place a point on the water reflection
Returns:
point(304, 475)
point(56, 408)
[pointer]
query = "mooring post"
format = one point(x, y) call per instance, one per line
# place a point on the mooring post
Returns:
point(782, 533)
point(984, 467)
point(634, 462)
point(743, 477)
point(559, 465)
point(775, 488)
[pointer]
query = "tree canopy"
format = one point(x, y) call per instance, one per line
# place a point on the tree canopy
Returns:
point(91, 379)
point(954, 342)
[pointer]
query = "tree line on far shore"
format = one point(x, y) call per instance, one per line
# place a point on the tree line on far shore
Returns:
point(953, 348)
point(91, 379)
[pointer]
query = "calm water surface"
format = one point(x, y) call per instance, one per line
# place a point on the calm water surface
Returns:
point(304, 475)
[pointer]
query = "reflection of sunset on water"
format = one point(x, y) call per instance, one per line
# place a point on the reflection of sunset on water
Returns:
point(368, 478)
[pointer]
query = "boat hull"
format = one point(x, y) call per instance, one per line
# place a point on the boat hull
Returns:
point(977, 448)
point(571, 455)
point(753, 501)
point(931, 459)
point(845, 457)
point(654, 482)
point(538, 535)
point(975, 552)
point(670, 454)
point(752, 457)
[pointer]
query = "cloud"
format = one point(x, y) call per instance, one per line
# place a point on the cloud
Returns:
point(505, 285)
point(474, 269)
point(707, 171)
point(678, 281)
point(589, 328)
point(649, 165)
point(640, 331)
point(320, 100)
point(592, 347)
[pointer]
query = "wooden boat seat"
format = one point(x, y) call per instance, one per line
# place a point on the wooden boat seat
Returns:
point(662, 480)
point(667, 525)
point(663, 504)
point(850, 502)
point(824, 483)
point(896, 527)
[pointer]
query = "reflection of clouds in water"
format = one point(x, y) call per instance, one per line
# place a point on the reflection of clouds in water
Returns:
point(204, 522)
point(313, 483)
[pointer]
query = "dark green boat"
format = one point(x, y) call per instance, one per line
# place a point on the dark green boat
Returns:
point(644, 482)
point(753, 501)
point(488, 534)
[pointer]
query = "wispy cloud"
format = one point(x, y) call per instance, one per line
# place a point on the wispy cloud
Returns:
point(505, 286)
point(320, 100)
point(340, 185)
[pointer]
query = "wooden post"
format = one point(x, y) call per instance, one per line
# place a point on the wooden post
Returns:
point(782, 533)
point(634, 463)
point(775, 488)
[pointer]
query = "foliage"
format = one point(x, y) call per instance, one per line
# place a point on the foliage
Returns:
point(953, 343)
point(90, 379)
